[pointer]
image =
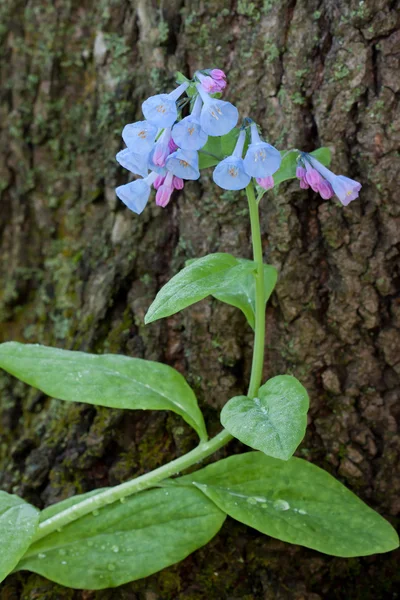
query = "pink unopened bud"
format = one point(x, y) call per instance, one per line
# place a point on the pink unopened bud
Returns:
point(300, 172)
point(265, 182)
point(159, 180)
point(303, 184)
point(220, 85)
point(163, 195)
point(217, 74)
point(172, 146)
point(178, 183)
point(313, 178)
point(325, 190)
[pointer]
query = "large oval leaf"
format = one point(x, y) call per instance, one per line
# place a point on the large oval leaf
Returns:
point(106, 380)
point(275, 422)
point(18, 524)
point(202, 277)
point(296, 502)
point(124, 542)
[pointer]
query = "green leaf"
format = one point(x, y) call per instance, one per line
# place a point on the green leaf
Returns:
point(241, 291)
point(275, 422)
point(105, 380)
point(207, 275)
point(124, 542)
point(296, 502)
point(217, 148)
point(18, 524)
point(288, 166)
point(211, 154)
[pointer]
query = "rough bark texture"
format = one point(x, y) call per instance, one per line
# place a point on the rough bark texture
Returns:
point(79, 270)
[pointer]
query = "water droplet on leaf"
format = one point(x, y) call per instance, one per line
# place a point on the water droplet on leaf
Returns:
point(281, 504)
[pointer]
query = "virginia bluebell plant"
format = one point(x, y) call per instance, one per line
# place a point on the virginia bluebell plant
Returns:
point(107, 537)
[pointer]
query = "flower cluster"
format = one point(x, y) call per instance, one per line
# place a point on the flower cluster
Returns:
point(167, 144)
point(314, 175)
point(163, 149)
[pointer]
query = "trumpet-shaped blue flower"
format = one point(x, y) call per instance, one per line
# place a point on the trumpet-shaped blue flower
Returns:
point(160, 110)
point(262, 159)
point(184, 164)
point(188, 134)
point(230, 174)
point(217, 116)
point(135, 195)
point(346, 189)
point(135, 163)
point(139, 136)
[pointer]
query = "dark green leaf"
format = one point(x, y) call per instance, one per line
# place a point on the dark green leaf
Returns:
point(201, 278)
point(275, 422)
point(124, 542)
point(211, 154)
point(105, 380)
point(18, 524)
point(241, 291)
point(296, 502)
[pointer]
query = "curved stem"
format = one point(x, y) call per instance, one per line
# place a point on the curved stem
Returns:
point(204, 449)
point(259, 340)
point(131, 487)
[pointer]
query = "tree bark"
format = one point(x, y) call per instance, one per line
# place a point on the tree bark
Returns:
point(78, 270)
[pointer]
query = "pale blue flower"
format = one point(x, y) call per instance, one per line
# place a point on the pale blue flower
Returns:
point(188, 134)
point(230, 174)
point(139, 136)
point(135, 195)
point(217, 116)
point(262, 159)
point(135, 163)
point(184, 164)
point(346, 189)
point(160, 110)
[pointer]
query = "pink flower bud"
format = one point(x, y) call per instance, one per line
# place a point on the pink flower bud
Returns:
point(265, 182)
point(178, 183)
point(217, 74)
point(303, 184)
point(300, 172)
point(158, 181)
point(163, 195)
point(325, 189)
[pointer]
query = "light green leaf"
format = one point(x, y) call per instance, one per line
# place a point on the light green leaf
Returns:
point(241, 291)
point(296, 502)
point(288, 166)
point(18, 524)
point(105, 380)
point(207, 275)
point(124, 542)
point(275, 422)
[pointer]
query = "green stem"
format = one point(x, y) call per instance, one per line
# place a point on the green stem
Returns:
point(204, 449)
point(259, 340)
point(131, 487)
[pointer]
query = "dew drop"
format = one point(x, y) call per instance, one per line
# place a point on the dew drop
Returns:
point(251, 500)
point(63, 562)
point(111, 567)
point(301, 511)
point(95, 513)
point(41, 555)
point(281, 504)
point(62, 552)
point(115, 548)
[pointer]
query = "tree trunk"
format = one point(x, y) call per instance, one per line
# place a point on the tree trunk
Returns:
point(79, 270)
